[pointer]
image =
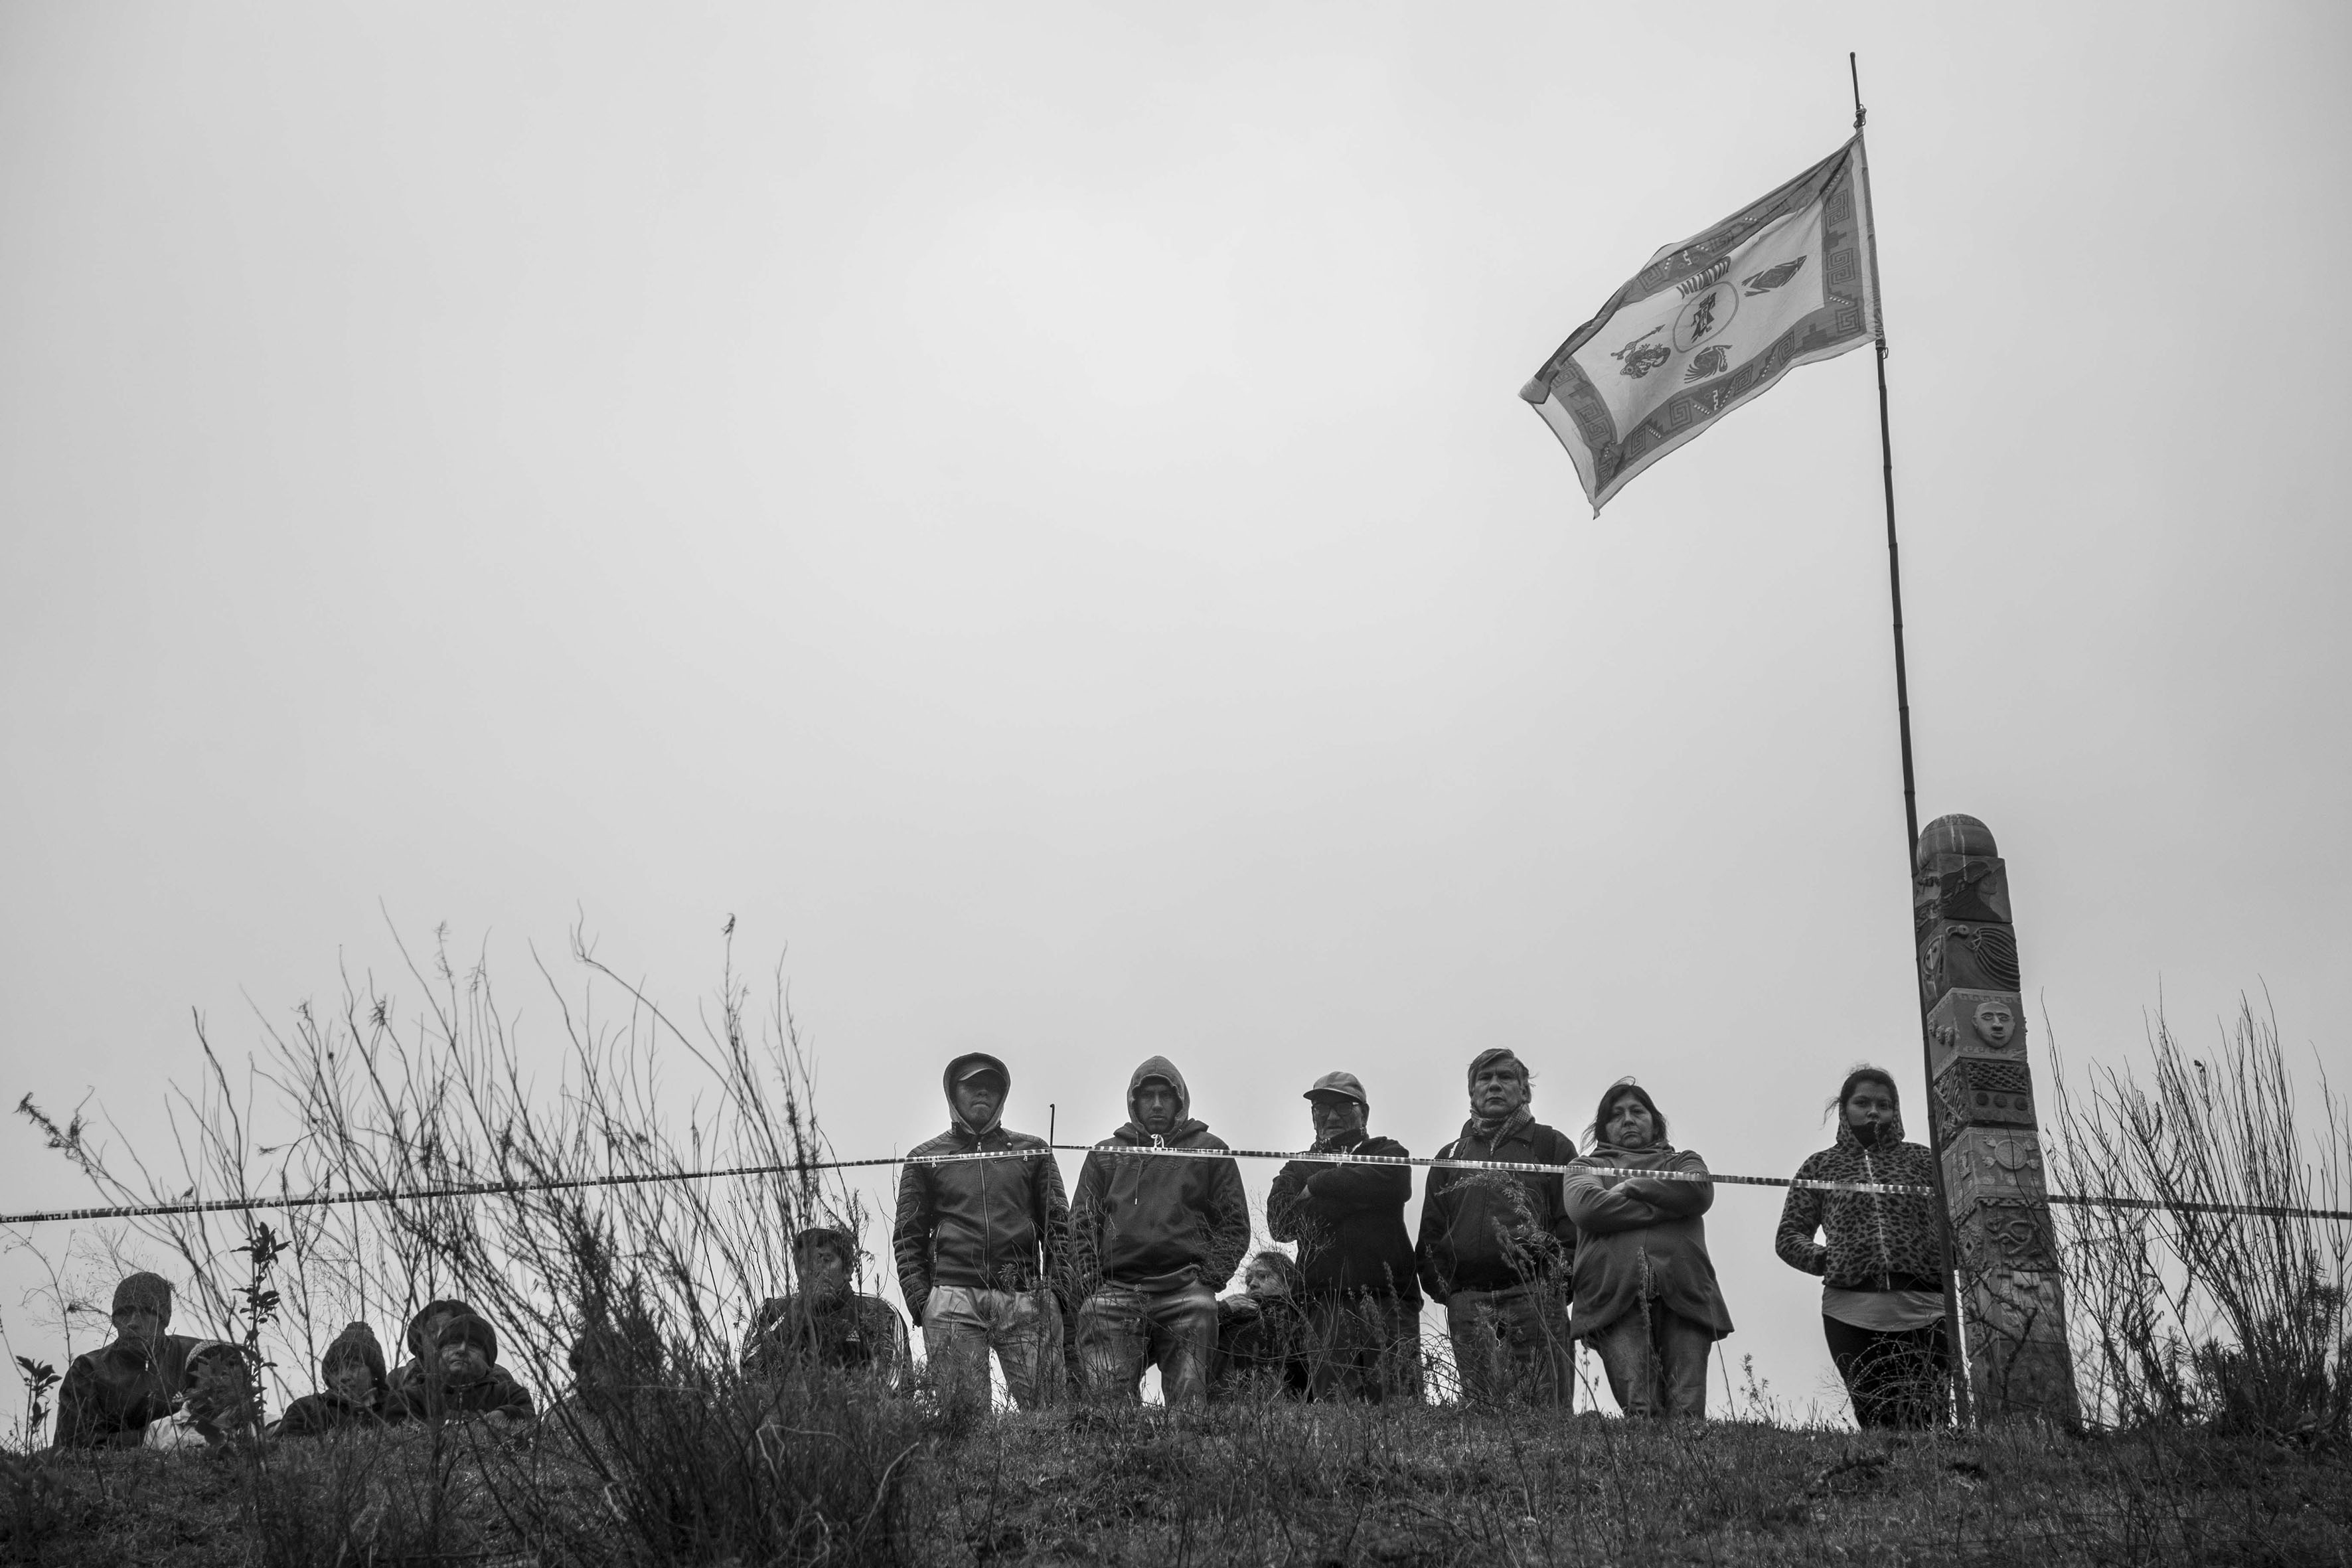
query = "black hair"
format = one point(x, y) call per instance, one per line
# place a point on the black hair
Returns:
point(831, 1240)
point(1863, 1073)
point(1622, 1088)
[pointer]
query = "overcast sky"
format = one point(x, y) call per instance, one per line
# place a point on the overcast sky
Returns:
point(1028, 508)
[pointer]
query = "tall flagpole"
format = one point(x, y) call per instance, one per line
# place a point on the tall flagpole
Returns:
point(1911, 827)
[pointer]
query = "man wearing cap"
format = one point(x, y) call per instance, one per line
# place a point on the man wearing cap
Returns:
point(1496, 1246)
point(1362, 1292)
point(825, 1323)
point(979, 1242)
point(110, 1394)
point(1153, 1239)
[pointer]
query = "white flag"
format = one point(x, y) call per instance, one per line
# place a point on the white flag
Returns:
point(1712, 321)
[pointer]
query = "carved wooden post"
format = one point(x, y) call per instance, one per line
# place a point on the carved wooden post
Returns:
point(1982, 1093)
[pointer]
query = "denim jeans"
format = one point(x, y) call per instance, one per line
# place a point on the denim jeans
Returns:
point(962, 1325)
point(1512, 1346)
point(1122, 1330)
point(1656, 1362)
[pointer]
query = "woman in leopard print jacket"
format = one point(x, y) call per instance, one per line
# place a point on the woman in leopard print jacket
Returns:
point(1883, 1268)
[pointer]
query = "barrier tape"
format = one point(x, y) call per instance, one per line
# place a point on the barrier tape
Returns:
point(573, 1184)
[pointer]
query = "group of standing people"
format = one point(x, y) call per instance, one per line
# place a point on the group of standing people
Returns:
point(1124, 1275)
point(1607, 1246)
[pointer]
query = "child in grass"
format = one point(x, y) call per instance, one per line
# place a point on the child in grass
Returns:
point(354, 1394)
point(215, 1405)
point(465, 1383)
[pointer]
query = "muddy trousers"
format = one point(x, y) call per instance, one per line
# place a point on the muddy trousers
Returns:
point(1511, 1346)
point(1123, 1329)
point(1899, 1378)
point(1656, 1362)
point(962, 1326)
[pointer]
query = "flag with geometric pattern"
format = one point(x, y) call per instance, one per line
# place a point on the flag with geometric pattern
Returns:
point(1712, 322)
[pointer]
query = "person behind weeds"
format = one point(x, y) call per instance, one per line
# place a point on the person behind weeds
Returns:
point(1496, 1245)
point(354, 1397)
point(1882, 1269)
point(1645, 1287)
point(1362, 1292)
point(465, 1383)
point(825, 1323)
point(979, 1243)
point(1153, 1239)
point(1261, 1335)
point(216, 1403)
point(424, 1329)
point(111, 1394)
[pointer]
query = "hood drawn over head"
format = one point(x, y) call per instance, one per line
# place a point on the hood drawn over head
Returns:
point(426, 1314)
point(956, 1071)
point(1159, 1066)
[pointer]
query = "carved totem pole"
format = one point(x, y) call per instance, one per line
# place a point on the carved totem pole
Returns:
point(1982, 1094)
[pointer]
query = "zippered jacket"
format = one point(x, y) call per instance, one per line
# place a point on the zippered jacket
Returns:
point(985, 1225)
point(1154, 1221)
point(1492, 1230)
point(1349, 1221)
point(1641, 1240)
point(1877, 1241)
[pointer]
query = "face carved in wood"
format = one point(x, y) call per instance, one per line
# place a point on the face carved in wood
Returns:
point(1996, 1025)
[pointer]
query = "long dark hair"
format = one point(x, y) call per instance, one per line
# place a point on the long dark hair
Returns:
point(1622, 1088)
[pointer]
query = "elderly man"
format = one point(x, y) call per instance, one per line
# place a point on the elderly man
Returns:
point(1153, 1239)
point(1362, 1294)
point(827, 1323)
point(111, 1394)
point(1495, 1244)
point(979, 1241)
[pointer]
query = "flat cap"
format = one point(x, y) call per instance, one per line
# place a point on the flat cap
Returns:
point(1341, 1085)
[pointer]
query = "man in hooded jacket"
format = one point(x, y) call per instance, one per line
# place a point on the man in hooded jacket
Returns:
point(979, 1242)
point(1496, 1246)
point(1153, 1239)
point(1362, 1292)
point(111, 1393)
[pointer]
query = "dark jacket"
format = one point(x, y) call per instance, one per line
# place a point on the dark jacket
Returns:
point(1349, 1221)
point(1877, 1241)
point(411, 1372)
point(1641, 1238)
point(1158, 1220)
point(1491, 1230)
point(429, 1397)
point(855, 1333)
point(986, 1225)
point(1263, 1344)
point(109, 1395)
point(327, 1411)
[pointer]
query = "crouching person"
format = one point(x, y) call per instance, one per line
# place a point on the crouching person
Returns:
point(825, 1323)
point(1153, 1239)
point(1362, 1289)
point(1496, 1246)
point(216, 1403)
point(111, 1394)
point(978, 1242)
point(1646, 1290)
point(1262, 1335)
point(464, 1381)
point(356, 1384)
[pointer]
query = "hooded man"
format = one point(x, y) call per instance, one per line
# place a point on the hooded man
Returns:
point(111, 1394)
point(1153, 1239)
point(1495, 1244)
point(825, 1323)
point(979, 1241)
point(424, 1329)
point(1362, 1292)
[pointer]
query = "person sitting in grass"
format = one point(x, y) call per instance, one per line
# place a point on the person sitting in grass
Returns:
point(464, 1382)
point(422, 1330)
point(1261, 1337)
point(354, 1394)
point(825, 1323)
point(216, 1403)
point(111, 1393)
